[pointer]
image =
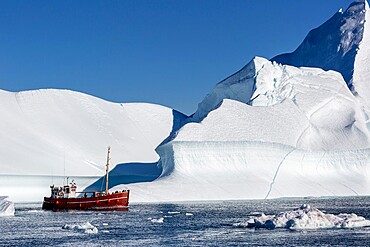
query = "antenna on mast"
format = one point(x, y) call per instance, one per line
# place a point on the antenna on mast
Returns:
point(106, 172)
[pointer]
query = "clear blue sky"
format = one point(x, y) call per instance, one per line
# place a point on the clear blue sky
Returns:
point(166, 52)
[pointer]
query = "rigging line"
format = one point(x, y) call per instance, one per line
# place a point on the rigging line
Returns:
point(102, 183)
point(94, 177)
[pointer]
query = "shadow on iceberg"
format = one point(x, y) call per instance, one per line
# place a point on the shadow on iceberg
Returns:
point(127, 173)
point(178, 120)
point(136, 172)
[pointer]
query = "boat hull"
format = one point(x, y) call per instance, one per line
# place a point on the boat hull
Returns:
point(115, 201)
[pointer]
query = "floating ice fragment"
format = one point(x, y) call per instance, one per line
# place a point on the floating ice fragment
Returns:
point(84, 227)
point(174, 212)
point(304, 217)
point(6, 207)
point(160, 220)
point(189, 214)
point(254, 213)
point(105, 224)
point(34, 211)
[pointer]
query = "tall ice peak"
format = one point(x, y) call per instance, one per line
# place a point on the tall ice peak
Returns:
point(334, 45)
point(341, 44)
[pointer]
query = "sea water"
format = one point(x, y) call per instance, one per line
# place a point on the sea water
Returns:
point(179, 224)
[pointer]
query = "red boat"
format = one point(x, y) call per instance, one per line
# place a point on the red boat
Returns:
point(64, 198)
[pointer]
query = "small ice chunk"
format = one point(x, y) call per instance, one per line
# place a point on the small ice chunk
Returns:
point(160, 220)
point(174, 212)
point(105, 224)
point(6, 207)
point(189, 214)
point(84, 227)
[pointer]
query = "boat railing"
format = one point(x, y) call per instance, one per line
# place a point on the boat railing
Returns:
point(98, 193)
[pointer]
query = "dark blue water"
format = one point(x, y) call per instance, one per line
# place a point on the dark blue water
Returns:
point(209, 225)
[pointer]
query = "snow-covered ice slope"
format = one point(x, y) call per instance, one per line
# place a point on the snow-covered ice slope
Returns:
point(361, 72)
point(342, 44)
point(239, 86)
point(56, 132)
point(305, 108)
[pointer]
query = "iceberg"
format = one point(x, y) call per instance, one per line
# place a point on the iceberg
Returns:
point(312, 141)
point(294, 126)
point(6, 207)
point(305, 217)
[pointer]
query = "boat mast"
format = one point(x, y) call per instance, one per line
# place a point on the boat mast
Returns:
point(106, 172)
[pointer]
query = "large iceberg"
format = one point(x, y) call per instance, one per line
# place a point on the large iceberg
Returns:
point(273, 130)
point(312, 141)
point(6, 207)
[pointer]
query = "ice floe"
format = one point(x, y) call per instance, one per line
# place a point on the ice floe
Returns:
point(304, 217)
point(160, 220)
point(83, 227)
point(174, 212)
point(6, 207)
